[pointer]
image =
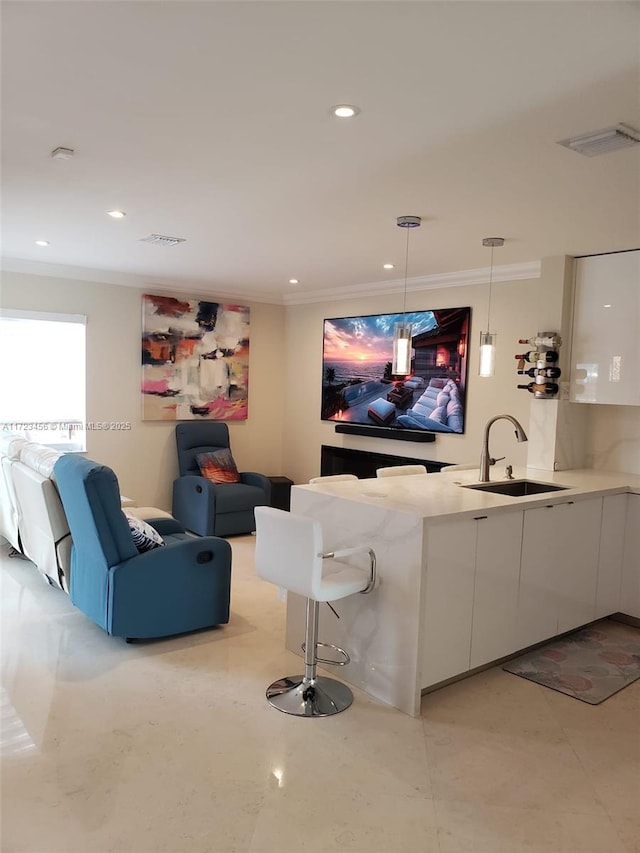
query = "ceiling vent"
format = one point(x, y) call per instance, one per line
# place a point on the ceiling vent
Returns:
point(603, 141)
point(161, 240)
point(62, 153)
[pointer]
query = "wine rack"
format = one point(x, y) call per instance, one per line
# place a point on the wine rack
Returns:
point(539, 365)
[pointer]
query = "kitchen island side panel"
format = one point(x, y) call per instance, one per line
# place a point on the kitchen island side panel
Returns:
point(380, 631)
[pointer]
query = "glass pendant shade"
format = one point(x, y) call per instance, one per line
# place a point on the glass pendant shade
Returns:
point(487, 354)
point(401, 365)
point(487, 363)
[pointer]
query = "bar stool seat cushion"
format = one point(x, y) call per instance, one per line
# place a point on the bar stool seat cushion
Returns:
point(341, 583)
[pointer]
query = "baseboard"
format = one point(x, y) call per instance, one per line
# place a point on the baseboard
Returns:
point(628, 620)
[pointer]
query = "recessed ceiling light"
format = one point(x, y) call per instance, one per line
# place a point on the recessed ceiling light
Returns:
point(42, 242)
point(388, 266)
point(293, 281)
point(607, 306)
point(345, 111)
point(116, 214)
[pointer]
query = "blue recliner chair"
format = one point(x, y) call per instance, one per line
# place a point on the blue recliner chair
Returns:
point(213, 509)
point(182, 586)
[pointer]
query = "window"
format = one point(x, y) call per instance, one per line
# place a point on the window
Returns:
point(43, 371)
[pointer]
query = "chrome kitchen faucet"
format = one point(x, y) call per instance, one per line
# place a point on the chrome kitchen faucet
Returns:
point(486, 459)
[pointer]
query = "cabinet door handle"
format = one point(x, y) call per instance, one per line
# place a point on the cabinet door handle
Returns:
point(479, 517)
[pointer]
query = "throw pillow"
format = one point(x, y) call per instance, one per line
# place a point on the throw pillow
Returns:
point(453, 407)
point(145, 537)
point(439, 414)
point(219, 466)
point(454, 415)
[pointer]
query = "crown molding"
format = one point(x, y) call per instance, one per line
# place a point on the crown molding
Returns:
point(140, 282)
point(461, 278)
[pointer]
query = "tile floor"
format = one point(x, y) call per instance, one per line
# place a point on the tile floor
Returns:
point(170, 746)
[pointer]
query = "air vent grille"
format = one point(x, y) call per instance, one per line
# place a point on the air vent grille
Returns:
point(603, 141)
point(162, 240)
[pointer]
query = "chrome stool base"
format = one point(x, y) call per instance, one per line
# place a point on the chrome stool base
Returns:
point(320, 697)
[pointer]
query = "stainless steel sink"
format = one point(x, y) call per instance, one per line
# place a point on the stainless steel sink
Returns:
point(516, 488)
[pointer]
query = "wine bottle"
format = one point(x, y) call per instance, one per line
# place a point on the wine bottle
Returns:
point(542, 372)
point(553, 341)
point(541, 388)
point(549, 356)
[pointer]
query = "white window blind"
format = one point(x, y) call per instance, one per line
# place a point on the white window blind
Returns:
point(43, 377)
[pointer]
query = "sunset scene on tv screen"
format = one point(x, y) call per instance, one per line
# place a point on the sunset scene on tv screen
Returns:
point(361, 344)
point(358, 380)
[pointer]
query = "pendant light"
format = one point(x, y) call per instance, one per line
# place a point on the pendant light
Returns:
point(401, 365)
point(488, 338)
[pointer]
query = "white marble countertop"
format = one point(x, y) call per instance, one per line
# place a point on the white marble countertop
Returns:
point(431, 496)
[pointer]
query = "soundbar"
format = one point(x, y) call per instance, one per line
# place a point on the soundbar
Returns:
point(385, 432)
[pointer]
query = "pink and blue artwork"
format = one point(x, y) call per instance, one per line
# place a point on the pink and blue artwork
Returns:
point(195, 359)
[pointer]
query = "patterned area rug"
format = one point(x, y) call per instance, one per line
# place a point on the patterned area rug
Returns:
point(591, 665)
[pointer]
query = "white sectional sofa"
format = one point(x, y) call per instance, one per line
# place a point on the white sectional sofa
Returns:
point(438, 409)
point(31, 514)
point(44, 531)
point(10, 447)
point(32, 518)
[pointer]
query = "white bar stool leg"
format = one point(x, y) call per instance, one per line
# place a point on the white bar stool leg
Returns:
point(309, 695)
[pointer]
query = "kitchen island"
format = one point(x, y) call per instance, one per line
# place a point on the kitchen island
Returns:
point(470, 577)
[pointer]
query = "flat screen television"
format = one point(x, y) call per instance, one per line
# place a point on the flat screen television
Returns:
point(359, 388)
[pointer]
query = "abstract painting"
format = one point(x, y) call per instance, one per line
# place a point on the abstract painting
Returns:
point(195, 359)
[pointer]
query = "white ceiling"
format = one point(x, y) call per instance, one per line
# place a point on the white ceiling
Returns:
point(210, 121)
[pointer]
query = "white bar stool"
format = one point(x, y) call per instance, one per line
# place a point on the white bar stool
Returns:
point(289, 554)
point(336, 478)
point(401, 470)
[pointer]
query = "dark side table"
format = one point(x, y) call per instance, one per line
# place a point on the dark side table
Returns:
point(280, 492)
point(401, 396)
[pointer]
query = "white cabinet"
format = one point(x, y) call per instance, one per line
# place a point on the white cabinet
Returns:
point(537, 598)
point(630, 588)
point(559, 569)
point(471, 593)
point(495, 600)
point(499, 583)
point(612, 533)
point(448, 599)
point(577, 568)
point(605, 344)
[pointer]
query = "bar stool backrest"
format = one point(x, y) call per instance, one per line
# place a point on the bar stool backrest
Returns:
point(288, 551)
point(336, 478)
point(401, 470)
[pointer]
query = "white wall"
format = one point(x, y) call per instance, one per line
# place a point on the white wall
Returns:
point(518, 310)
point(145, 458)
point(284, 432)
point(613, 438)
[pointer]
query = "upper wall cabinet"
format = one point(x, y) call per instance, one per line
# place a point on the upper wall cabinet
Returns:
point(605, 346)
